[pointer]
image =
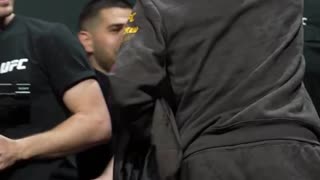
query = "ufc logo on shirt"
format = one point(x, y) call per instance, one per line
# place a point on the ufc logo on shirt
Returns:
point(304, 21)
point(16, 64)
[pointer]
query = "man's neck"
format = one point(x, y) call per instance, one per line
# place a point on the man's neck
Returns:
point(101, 70)
point(6, 20)
point(96, 65)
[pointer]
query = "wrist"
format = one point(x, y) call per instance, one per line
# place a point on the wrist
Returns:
point(22, 150)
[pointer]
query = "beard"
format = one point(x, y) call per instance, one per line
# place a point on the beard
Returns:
point(105, 60)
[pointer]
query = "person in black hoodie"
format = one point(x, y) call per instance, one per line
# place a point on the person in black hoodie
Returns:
point(235, 69)
point(51, 106)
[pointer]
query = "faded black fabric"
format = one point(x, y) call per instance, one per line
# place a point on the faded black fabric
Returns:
point(231, 65)
point(276, 160)
point(154, 156)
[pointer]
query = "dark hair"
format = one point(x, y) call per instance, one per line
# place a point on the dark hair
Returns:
point(93, 7)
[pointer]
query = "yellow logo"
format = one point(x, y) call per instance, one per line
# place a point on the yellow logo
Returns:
point(129, 33)
point(131, 30)
point(132, 16)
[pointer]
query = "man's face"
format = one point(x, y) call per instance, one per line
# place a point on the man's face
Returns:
point(108, 34)
point(6, 8)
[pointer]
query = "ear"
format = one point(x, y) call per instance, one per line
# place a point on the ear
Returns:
point(86, 40)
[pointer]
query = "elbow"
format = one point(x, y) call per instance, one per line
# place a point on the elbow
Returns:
point(101, 129)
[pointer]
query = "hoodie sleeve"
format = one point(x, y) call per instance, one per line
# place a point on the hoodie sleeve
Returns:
point(139, 69)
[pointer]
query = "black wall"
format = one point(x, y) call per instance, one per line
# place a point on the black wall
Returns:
point(64, 11)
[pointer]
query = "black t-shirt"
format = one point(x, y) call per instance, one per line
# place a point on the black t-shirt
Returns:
point(312, 50)
point(39, 62)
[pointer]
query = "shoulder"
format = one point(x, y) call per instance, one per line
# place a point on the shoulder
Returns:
point(44, 29)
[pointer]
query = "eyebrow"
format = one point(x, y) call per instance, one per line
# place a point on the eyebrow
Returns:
point(117, 25)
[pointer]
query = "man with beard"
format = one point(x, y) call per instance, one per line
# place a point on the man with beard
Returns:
point(101, 25)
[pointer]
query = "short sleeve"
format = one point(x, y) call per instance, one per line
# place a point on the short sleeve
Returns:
point(63, 59)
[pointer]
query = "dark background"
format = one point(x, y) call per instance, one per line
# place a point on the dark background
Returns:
point(64, 11)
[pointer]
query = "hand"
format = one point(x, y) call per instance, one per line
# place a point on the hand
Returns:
point(9, 152)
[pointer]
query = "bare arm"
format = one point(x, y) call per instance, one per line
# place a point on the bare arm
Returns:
point(89, 125)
